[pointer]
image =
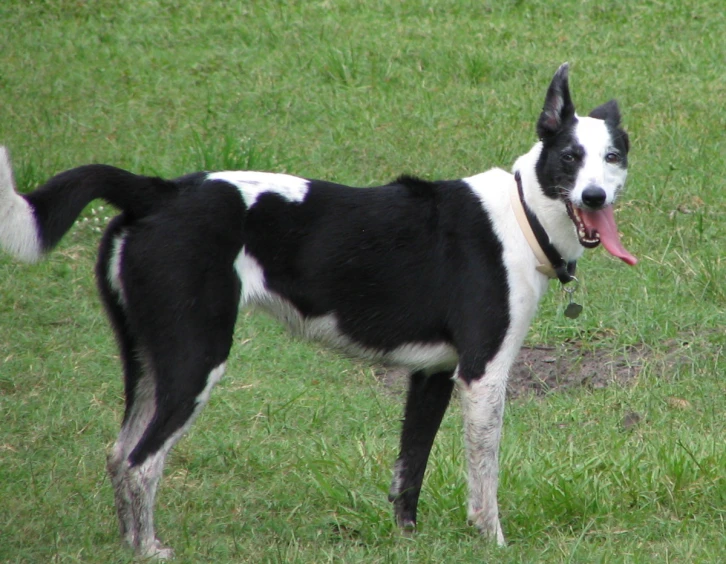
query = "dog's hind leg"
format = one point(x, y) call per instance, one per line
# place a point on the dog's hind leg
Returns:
point(135, 485)
point(184, 366)
point(428, 398)
point(139, 412)
point(175, 331)
point(173, 414)
point(138, 382)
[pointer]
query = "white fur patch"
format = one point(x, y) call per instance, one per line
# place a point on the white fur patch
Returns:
point(214, 377)
point(18, 228)
point(252, 184)
point(430, 356)
point(114, 267)
point(252, 276)
point(325, 329)
point(595, 138)
point(397, 482)
point(415, 356)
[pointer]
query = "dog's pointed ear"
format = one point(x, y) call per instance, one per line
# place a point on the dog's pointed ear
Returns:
point(609, 112)
point(558, 107)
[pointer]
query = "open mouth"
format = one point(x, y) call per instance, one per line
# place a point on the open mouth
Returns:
point(588, 236)
point(595, 227)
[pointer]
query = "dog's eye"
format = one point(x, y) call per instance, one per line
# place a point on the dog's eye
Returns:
point(612, 158)
point(568, 158)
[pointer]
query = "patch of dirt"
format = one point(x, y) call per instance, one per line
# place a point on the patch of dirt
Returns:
point(544, 369)
point(540, 370)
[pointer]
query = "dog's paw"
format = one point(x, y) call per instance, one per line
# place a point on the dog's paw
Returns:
point(407, 527)
point(488, 526)
point(155, 551)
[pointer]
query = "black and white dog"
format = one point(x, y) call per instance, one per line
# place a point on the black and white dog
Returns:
point(440, 277)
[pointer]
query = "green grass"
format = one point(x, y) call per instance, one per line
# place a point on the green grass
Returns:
point(291, 461)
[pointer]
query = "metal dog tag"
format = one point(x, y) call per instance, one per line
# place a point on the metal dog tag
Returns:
point(573, 310)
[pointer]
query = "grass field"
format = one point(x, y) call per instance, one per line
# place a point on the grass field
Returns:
point(291, 461)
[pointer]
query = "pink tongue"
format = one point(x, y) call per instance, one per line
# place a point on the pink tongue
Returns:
point(603, 221)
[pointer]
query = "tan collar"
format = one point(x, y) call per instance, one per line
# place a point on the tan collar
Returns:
point(545, 266)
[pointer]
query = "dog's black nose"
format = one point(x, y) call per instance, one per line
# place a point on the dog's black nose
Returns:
point(593, 197)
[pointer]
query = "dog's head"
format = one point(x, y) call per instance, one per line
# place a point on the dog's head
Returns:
point(583, 163)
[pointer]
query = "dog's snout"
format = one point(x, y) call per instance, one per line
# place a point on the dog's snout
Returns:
point(593, 197)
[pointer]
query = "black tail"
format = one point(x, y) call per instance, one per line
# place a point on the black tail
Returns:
point(32, 224)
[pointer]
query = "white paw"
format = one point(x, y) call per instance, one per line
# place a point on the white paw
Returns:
point(488, 526)
point(155, 551)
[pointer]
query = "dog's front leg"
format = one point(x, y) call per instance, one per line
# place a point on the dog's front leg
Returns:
point(483, 407)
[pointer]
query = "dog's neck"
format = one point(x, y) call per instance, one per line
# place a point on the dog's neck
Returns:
point(551, 263)
point(551, 213)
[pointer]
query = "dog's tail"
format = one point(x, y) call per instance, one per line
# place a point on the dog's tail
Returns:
point(32, 224)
